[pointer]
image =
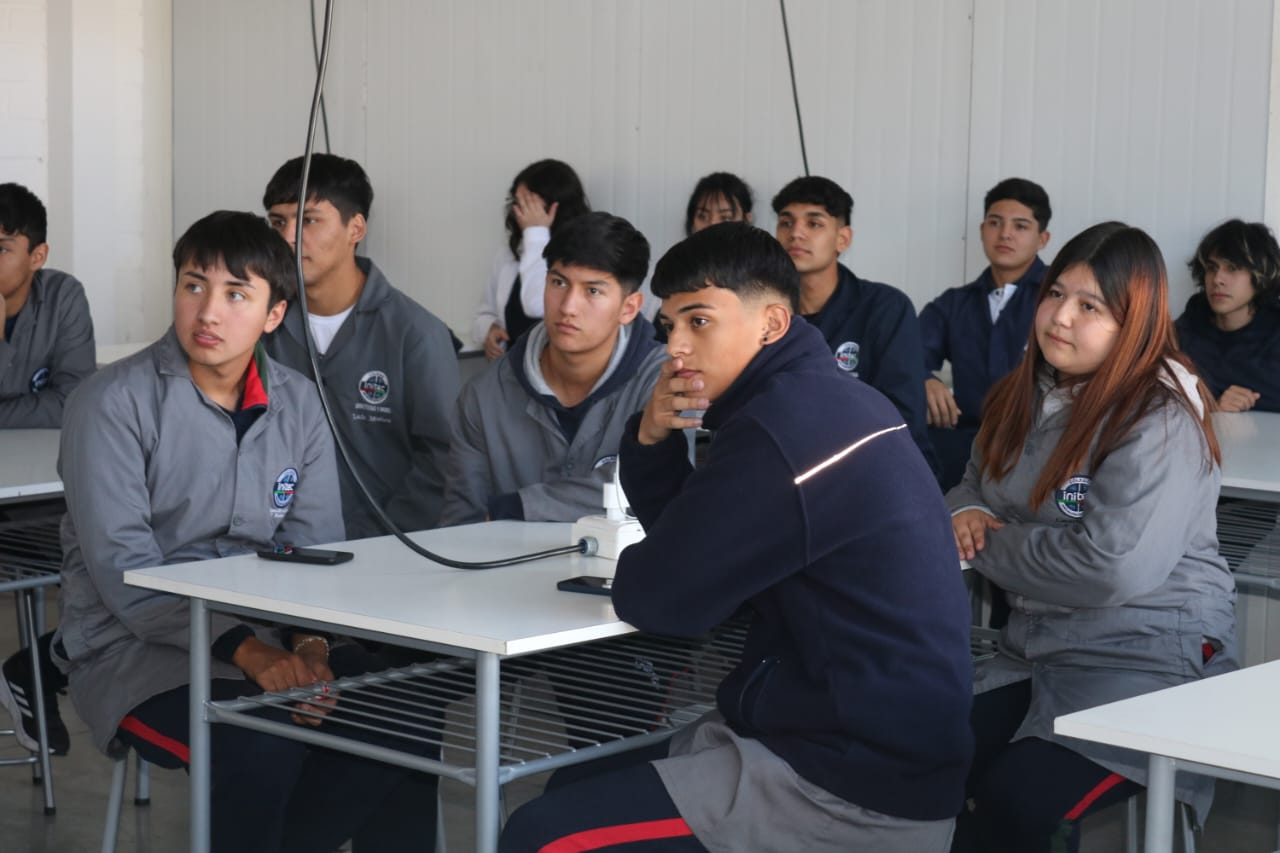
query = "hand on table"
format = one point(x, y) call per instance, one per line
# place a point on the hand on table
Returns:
point(1238, 399)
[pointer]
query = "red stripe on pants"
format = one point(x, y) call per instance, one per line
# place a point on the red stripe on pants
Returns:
point(623, 833)
point(1101, 788)
point(136, 727)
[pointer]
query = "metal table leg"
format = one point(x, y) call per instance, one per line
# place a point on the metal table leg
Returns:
point(199, 735)
point(1160, 803)
point(487, 736)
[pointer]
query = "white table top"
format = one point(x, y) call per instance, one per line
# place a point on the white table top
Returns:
point(1228, 721)
point(1250, 452)
point(29, 464)
point(390, 590)
point(108, 353)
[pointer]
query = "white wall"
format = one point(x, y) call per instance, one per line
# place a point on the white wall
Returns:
point(84, 95)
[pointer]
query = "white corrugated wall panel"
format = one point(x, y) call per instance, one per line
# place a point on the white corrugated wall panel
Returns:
point(1151, 112)
point(443, 102)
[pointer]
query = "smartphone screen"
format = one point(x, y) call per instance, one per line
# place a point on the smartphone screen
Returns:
point(589, 584)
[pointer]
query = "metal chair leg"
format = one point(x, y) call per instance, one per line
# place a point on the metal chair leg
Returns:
point(142, 783)
point(1131, 825)
point(114, 803)
point(45, 776)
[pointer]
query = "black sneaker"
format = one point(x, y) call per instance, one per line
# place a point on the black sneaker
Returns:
point(16, 691)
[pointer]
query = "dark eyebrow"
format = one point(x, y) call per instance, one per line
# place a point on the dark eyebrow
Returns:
point(703, 306)
point(234, 282)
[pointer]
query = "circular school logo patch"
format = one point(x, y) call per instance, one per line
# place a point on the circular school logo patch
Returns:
point(847, 356)
point(374, 387)
point(603, 461)
point(1070, 497)
point(286, 485)
point(40, 380)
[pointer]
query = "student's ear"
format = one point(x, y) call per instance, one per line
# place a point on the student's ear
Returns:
point(1044, 239)
point(746, 217)
point(357, 228)
point(631, 307)
point(777, 319)
point(38, 256)
point(844, 238)
point(275, 316)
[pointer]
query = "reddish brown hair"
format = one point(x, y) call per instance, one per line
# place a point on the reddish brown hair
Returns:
point(1131, 274)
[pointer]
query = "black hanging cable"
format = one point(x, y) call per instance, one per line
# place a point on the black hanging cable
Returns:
point(315, 52)
point(584, 546)
point(795, 93)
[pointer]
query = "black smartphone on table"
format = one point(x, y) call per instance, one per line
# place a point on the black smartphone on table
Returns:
point(319, 556)
point(589, 584)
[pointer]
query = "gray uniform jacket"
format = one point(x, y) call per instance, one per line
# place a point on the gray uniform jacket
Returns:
point(50, 352)
point(1115, 581)
point(391, 374)
point(507, 437)
point(153, 475)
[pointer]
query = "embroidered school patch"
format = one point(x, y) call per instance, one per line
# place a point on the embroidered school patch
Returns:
point(374, 387)
point(1070, 497)
point(847, 356)
point(40, 380)
point(285, 488)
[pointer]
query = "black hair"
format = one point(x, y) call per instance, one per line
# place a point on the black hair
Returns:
point(21, 212)
point(1024, 192)
point(1248, 245)
point(733, 255)
point(245, 244)
point(557, 183)
point(602, 241)
point(334, 179)
point(718, 185)
point(823, 192)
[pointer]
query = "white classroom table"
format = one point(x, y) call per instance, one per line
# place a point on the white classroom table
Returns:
point(1225, 727)
point(1250, 444)
point(390, 594)
point(29, 465)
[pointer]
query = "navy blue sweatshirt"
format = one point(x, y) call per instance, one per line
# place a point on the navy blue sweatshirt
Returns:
point(1248, 357)
point(856, 669)
point(873, 331)
point(957, 327)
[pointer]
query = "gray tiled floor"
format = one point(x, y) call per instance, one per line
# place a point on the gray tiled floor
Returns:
point(1244, 819)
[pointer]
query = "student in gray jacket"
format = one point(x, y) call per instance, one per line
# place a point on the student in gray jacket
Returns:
point(536, 435)
point(1089, 498)
point(388, 365)
point(198, 447)
point(46, 342)
point(46, 349)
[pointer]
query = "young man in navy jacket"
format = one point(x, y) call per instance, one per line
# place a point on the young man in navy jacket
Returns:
point(982, 327)
point(845, 727)
point(871, 327)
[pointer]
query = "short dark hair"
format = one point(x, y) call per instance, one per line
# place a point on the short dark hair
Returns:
point(823, 192)
point(557, 183)
point(1248, 245)
point(1024, 192)
point(22, 212)
point(718, 185)
point(602, 241)
point(245, 244)
point(334, 179)
point(732, 255)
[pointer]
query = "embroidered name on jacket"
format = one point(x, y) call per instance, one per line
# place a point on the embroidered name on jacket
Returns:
point(1070, 498)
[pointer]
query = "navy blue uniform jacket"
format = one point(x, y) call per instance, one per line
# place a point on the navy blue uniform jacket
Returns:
point(856, 669)
point(957, 327)
point(873, 330)
point(1248, 357)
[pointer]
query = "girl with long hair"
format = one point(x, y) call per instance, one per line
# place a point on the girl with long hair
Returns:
point(544, 196)
point(1089, 498)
